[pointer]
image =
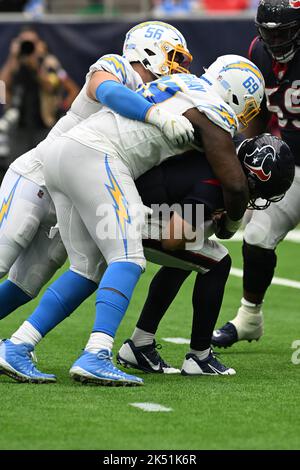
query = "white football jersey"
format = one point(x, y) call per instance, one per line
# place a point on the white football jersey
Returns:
point(30, 164)
point(142, 146)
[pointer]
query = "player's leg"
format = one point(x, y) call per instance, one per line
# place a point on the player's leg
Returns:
point(60, 299)
point(212, 262)
point(23, 206)
point(140, 351)
point(36, 265)
point(68, 292)
point(262, 235)
point(207, 300)
point(116, 231)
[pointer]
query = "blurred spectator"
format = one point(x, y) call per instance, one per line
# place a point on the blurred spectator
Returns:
point(38, 92)
point(226, 5)
point(34, 8)
point(175, 6)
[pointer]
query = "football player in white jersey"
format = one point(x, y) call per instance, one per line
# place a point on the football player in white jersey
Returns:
point(90, 174)
point(27, 213)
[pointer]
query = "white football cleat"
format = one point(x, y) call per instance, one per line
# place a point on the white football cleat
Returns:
point(192, 365)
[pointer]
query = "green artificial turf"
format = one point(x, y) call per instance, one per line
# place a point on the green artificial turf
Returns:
point(256, 409)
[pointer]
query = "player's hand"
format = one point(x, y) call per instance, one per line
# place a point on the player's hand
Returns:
point(175, 128)
point(224, 227)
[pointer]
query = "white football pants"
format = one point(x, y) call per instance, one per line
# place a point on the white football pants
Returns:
point(26, 251)
point(100, 213)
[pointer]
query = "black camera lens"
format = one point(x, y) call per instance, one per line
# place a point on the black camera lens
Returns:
point(26, 48)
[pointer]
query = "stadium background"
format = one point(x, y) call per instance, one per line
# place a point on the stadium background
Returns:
point(257, 409)
point(78, 43)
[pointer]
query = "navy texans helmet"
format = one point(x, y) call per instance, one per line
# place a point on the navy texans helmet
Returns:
point(269, 166)
point(278, 23)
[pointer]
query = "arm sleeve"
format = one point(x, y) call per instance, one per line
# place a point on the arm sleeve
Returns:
point(122, 100)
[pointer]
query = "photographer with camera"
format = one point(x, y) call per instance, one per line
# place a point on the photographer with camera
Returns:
point(38, 91)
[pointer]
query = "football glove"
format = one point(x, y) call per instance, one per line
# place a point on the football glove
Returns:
point(177, 129)
point(224, 227)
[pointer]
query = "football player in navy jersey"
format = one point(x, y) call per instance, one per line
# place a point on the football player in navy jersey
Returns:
point(189, 180)
point(276, 52)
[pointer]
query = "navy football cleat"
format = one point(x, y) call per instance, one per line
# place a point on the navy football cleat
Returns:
point(99, 369)
point(16, 362)
point(192, 365)
point(145, 358)
point(225, 336)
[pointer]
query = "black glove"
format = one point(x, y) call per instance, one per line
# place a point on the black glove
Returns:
point(224, 227)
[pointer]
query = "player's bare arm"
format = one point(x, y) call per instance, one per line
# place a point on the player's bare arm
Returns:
point(221, 154)
point(96, 79)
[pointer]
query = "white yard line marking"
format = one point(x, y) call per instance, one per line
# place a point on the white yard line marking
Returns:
point(177, 340)
point(293, 236)
point(153, 407)
point(279, 281)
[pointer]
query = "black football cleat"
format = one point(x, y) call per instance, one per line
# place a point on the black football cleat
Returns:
point(225, 336)
point(145, 358)
point(192, 365)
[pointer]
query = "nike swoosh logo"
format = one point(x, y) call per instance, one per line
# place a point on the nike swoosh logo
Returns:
point(153, 366)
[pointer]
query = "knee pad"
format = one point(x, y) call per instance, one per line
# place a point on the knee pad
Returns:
point(258, 234)
point(24, 232)
point(259, 266)
point(9, 251)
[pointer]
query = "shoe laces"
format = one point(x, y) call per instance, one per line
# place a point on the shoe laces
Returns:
point(154, 355)
point(215, 361)
point(105, 354)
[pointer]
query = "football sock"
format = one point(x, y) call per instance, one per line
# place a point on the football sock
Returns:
point(201, 354)
point(113, 297)
point(253, 308)
point(26, 334)
point(60, 300)
point(141, 337)
point(99, 341)
point(249, 320)
point(162, 291)
point(259, 267)
point(207, 300)
point(11, 297)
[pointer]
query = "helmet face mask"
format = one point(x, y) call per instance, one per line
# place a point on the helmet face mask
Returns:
point(278, 24)
point(159, 47)
point(269, 167)
point(178, 60)
point(251, 110)
point(281, 40)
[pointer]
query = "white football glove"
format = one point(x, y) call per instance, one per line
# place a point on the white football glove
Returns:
point(175, 128)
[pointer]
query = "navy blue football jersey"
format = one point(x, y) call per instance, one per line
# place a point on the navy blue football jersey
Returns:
point(183, 179)
point(282, 92)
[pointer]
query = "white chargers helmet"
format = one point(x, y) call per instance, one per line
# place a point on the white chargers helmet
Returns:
point(239, 83)
point(159, 47)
